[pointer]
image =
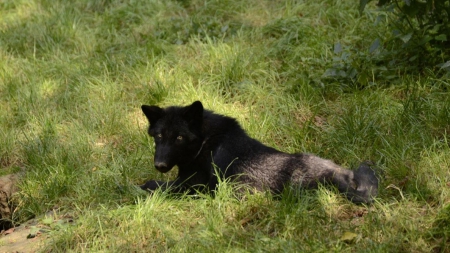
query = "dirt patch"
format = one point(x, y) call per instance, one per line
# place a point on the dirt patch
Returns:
point(23, 238)
point(26, 238)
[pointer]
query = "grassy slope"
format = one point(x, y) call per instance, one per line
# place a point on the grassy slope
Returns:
point(73, 75)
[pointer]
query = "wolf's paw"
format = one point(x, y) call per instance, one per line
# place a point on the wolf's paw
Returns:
point(150, 186)
point(366, 185)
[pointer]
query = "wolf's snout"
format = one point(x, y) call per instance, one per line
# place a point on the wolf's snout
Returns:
point(161, 166)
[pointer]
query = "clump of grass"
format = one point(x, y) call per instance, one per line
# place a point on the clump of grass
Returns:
point(440, 230)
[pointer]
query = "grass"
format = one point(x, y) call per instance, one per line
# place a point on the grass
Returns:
point(73, 75)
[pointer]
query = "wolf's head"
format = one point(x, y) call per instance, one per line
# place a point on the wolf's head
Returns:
point(177, 132)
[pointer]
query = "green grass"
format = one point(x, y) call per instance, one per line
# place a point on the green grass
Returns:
point(73, 75)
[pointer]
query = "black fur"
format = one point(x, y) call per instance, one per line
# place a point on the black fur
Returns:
point(194, 139)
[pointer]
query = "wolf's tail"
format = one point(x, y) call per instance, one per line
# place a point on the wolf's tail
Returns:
point(366, 185)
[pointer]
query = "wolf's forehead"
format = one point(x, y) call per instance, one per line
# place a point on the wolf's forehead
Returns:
point(172, 125)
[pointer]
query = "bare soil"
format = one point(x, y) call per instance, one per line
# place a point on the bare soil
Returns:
point(25, 238)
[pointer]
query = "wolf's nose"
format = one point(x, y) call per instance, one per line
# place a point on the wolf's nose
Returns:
point(161, 165)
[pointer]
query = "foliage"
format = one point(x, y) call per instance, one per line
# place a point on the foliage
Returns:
point(416, 43)
point(421, 31)
point(359, 68)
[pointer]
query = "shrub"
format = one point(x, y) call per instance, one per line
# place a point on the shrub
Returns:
point(420, 31)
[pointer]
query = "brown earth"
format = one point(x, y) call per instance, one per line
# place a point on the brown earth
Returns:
point(22, 239)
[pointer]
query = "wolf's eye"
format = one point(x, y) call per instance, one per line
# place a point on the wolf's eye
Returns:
point(179, 138)
point(159, 135)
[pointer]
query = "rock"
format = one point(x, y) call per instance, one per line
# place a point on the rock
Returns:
point(7, 189)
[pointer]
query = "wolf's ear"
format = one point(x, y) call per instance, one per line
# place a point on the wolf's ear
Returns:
point(194, 112)
point(153, 113)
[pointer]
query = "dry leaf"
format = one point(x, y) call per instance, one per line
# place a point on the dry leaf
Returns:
point(348, 237)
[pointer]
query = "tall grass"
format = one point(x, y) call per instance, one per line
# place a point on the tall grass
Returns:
point(73, 75)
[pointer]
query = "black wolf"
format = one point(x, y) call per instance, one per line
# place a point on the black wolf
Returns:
point(205, 146)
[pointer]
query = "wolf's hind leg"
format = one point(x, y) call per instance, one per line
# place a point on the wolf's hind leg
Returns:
point(366, 185)
point(359, 186)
